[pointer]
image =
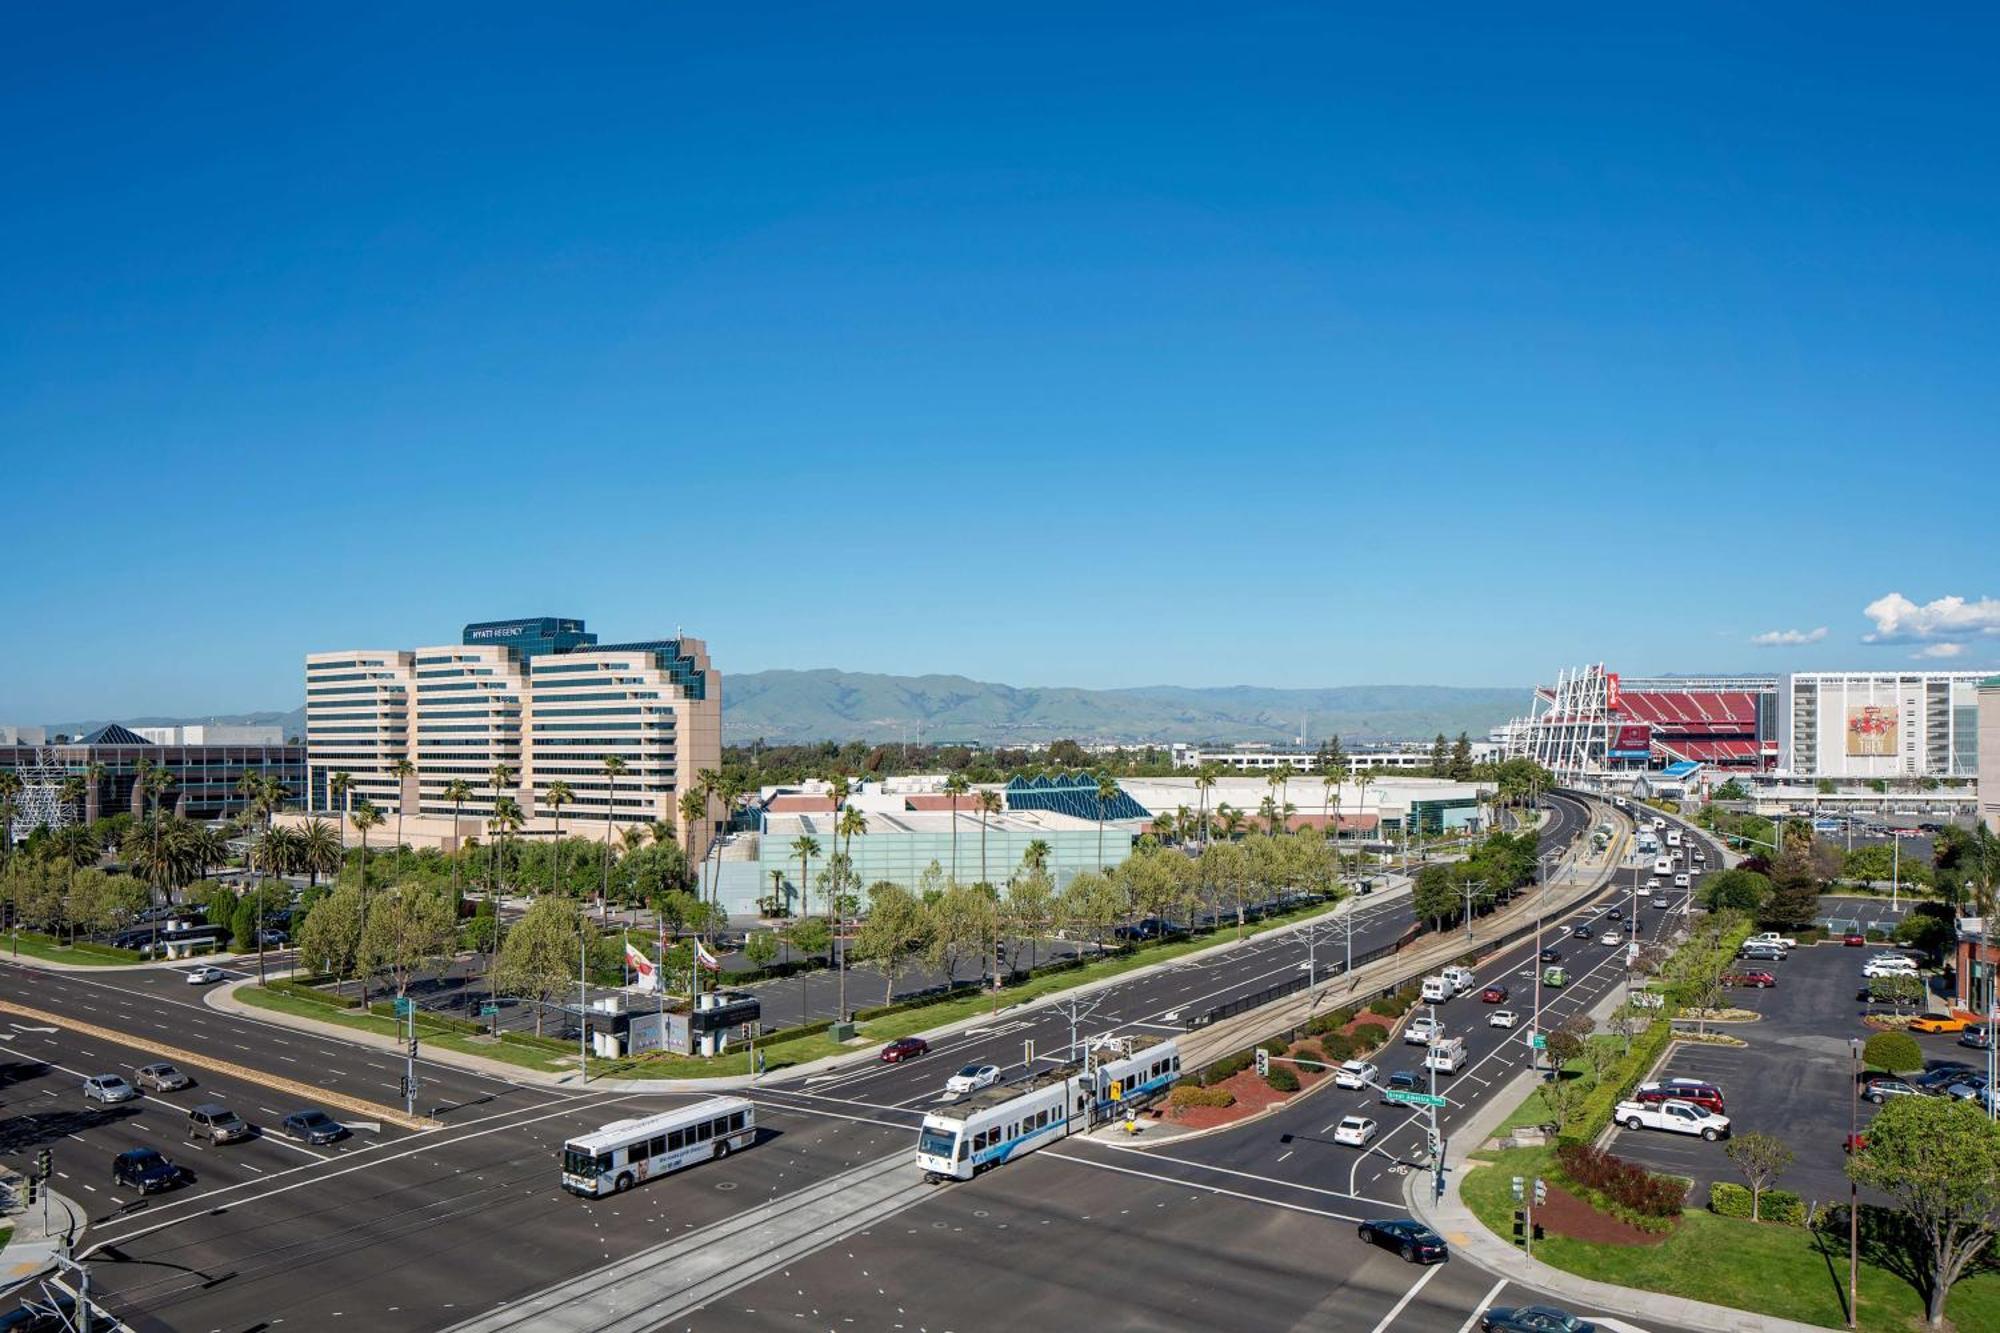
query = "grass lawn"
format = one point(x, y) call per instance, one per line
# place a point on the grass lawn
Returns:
point(527, 1057)
point(49, 951)
point(1769, 1269)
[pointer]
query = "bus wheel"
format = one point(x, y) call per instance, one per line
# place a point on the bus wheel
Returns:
point(721, 1149)
point(624, 1182)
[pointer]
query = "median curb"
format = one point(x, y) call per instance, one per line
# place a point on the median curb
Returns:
point(312, 1093)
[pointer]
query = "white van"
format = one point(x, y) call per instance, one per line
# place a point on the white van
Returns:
point(1447, 1056)
point(1436, 990)
point(1461, 979)
point(1673, 837)
point(1663, 865)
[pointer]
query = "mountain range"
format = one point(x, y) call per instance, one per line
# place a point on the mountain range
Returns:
point(789, 707)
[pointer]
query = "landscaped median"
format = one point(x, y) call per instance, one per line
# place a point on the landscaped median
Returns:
point(1766, 1267)
point(84, 953)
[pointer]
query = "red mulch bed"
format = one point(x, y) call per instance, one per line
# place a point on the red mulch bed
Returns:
point(1566, 1215)
point(1252, 1095)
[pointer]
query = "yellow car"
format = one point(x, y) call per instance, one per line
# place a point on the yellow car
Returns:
point(1940, 1024)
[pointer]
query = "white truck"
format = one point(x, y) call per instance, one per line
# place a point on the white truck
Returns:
point(1772, 937)
point(1446, 1056)
point(1673, 837)
point(1676, 1117)
point(1461, 979)
point(1422, 1031)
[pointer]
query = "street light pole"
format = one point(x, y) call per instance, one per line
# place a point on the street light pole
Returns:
point(1853, 1189)
point(583, 1000)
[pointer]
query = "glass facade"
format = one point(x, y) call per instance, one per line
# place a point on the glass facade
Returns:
point(529, 637)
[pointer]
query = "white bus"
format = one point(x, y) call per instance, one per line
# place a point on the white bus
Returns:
point(626, 1152)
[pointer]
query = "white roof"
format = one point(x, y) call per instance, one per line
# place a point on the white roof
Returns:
point(618, 1131)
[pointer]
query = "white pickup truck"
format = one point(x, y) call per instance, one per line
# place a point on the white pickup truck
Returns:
point(1785, 942)
point(1676, 1117)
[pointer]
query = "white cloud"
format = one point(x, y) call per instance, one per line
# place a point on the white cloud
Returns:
point(1940, 650)
point(1900, 620)
point(1788, 638)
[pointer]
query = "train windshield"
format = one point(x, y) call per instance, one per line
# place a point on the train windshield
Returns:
point(936, 1142)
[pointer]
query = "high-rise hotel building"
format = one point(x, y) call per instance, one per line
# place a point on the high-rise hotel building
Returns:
point(539, 697)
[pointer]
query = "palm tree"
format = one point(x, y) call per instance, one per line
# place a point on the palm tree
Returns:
point(403, 769)
point(987, 803)
point(1107, 792)
point(319, 851)
point(1231, 820)
point(94, 773)
point(338, 786)
point(273, 854)
point(1277, 779)
point(805, 847)
point(71, 791)
point(729, 789)
point(10, 795)
point(1036, 857)
point(142, 774)
point(364, 816)
point(457, 791)
point(500, 778)
point(76, 846)
point(556, 797)
point(955, 786)
point(1203, 781)
point(1163, 826)
point(614, 767)
point(694, 808)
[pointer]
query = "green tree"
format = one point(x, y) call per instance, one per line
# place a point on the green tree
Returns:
point(1440, 765)
point(538, 957)
point(761, 948)
point(1939, 1160)
point(807, 937)
point(805, 847)
point(1794, 900)
point(1436, 899)
point(1904, 992)
point(1761, 1159)
point(895, 931)
point(407, 929)
point(1740, 890)
point(1031, 907)
point(1893, 1053)
point(329, 940)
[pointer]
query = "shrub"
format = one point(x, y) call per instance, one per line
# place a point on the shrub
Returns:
point(1282, 1079)
point(1388, 1006)
point(1894, 1052)
point(1275, 1045)
point(1339, 1046)
point(1622, 1188)
point(1617, 1082)
point(1189, 1094)
point(1227, 1067)
point(1727, 1200)
point(1367, 1036)
point(1306, 1050)
point(1780, 1206)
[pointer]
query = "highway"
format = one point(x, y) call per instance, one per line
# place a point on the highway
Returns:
point(450, 1227)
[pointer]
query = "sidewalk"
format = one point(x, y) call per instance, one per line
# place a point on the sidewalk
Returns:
point(34, 1247)
point(1470, 1240)
point(223, 998)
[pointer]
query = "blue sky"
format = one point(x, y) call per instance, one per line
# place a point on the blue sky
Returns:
point(1082, 345)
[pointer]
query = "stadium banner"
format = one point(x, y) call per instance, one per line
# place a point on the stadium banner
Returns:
point(1632, 741)
point(1871, 732)
point(1611, 690)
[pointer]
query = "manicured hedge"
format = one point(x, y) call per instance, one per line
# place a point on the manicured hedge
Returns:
point(1191, 1094)
point(1368, 1036)
point(1623, 1189)
point(1282, 1079)
point(1226, 1067)
point(1780, 1206)
point(1617, 1083)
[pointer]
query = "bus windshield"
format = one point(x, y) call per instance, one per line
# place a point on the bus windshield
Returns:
point(576, 1162)
point(936, 1142)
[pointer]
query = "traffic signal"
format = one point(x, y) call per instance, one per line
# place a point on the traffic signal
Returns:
point(1541, 1191)
point(1519, 1189)
point(1263, 1063)
point(45, 1164)
point(413, 1042)
point(34, 1191)
point(1520, 1224)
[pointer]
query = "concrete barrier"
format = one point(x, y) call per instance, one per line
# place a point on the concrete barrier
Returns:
point(309, 1092)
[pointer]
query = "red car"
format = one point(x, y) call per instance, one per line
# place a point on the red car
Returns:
point(1855, 1143)
point(1761, 980)
point(1705, 1095)
point(1493, 995)
point(904, 1048)
point(1854, 939)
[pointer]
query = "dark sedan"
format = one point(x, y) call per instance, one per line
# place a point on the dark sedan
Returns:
point(314, 1127)
point(1417, 1243)
point(904, 1048)
point(146, 1170)
point(1533, 1319)
point(1552, 955)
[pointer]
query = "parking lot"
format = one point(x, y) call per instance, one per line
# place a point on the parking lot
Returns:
point(1792, 1081)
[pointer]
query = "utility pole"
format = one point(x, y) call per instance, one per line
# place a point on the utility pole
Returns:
point(583, 999)
point(1853, 1190)
point(84, 1313)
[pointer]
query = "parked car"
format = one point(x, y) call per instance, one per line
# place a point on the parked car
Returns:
point(1354, 1131)
point(1761, 980)
point(204, 976)
point(1533, 1319)
point(1853, 1143)
point(146, 1170)
point(1879, 968)
point(1785, 942)
point(972, 1078)
point(1699, 1091)
point(1502, 1018)
point(1354, 1074)
point(1977, 1037)
point(108, 1088)
point(313, 1126)
point(1760, 953)
point(1882, 1089)
point(1854, 939)
point(1493, 995)
point(217, 1124)
point(1403, 1080)
point(1939, 1077)
point(162, 1077)
point(904, 1048)
point(1939, 1023)
point(1417, 1243)
point(1676, 1116)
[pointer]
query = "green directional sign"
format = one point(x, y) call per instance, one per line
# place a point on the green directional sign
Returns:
point(1538, 1040)
point(488, 1010)
point(1414, 1098)
point(402, 1008)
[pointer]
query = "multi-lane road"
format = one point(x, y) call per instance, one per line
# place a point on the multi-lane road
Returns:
point(400, 1229)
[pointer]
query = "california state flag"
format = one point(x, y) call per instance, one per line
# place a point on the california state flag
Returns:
point(642, 967)
point(705, 958)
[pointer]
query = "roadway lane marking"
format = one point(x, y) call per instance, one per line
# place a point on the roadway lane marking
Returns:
point(1059, 1155)
point(1480, 1308)
point(1409, 1295)
point(1224, 1170)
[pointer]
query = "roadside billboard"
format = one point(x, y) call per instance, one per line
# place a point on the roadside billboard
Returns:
point(1871, 732)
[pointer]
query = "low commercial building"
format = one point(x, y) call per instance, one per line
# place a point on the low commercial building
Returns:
point(1258, 758)
point(1381, 807)
point(203, 777)
point(1989, 752)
